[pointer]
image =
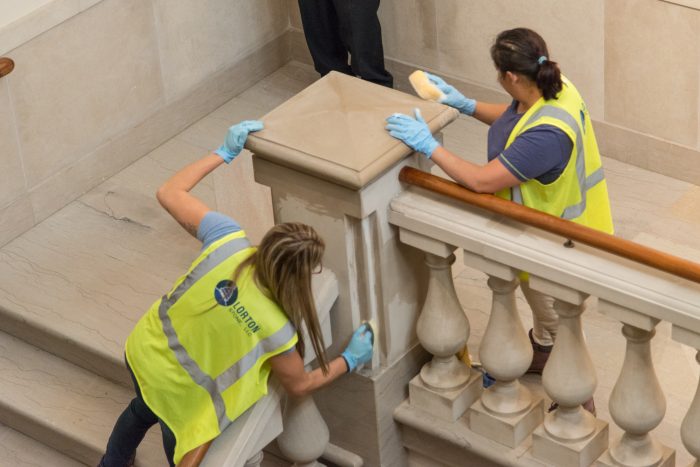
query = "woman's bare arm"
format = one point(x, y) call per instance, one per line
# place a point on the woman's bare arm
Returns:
point(174, 195)
point(289, 369)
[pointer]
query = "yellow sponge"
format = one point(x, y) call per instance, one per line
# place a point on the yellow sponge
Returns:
point(424, 88)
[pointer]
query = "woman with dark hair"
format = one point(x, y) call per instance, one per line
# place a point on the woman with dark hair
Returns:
point(542, 152)
point(202, 354)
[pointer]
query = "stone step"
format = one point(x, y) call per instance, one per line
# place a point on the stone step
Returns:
point(64, 406)
point(76, 284)
point(18, 450)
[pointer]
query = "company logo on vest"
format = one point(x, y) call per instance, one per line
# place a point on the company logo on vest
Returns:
point(226, 293)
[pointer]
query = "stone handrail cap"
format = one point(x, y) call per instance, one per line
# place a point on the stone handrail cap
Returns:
point(334, 129)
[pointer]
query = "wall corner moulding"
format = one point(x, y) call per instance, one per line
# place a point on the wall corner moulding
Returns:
point(694, 4)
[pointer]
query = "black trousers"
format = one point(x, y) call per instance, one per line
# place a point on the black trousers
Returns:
point(336, 28)
point(130, 429)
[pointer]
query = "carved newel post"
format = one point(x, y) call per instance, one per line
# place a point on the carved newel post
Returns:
point(305, 434)
point(637, 403)
point(570, 435)
point(690, 428)
point(442, 328)
point(330, 163)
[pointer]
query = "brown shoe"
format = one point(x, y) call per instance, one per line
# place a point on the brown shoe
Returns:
point(540, 355)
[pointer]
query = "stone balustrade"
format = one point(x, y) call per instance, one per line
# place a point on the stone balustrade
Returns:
point(330, 163)
point(637, 296)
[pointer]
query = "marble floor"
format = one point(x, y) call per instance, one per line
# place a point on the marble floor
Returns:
point(648, 208)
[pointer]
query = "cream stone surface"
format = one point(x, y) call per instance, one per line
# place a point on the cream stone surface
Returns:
point(198, 38)
point(410, 31)
point(466, 30)
point(294, 15)
point(68, 98)
point(66, 407)
point(69, 183)
point(12, 182)
point(18, 450)
point(15, 218)
point(348, 111)
point(636, 30)
point(23, 20)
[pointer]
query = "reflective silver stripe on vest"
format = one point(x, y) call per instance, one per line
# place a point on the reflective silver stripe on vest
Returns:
point(584, 183)
point(229, 377)
point(215, 258)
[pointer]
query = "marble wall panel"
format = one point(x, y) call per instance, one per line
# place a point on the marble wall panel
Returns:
point(652, 68)
point(409, 31)
point(467, 28)
point(82, 82)
point(214, 32)
point(294, 16)
point(12, 183)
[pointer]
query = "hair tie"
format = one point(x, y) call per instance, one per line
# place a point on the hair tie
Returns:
point(542, 59)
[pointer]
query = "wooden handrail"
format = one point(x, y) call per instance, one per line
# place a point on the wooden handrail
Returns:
point(195, 456)
point(6, 66)
point(569, 230)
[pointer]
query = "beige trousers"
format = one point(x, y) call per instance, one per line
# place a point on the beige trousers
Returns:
point(544, 318)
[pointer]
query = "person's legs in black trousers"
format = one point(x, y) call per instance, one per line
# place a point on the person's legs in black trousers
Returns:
point(362, 34)
point(322, 32)
point(130, 429)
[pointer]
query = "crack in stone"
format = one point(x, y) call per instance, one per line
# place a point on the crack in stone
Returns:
point(111, 215)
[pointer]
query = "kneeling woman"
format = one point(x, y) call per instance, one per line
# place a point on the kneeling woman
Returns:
point(202, 354)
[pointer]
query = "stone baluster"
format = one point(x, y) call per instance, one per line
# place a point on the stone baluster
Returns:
point(570, 435)
point(446, 386)
point(637, 403)
point(691, 425)
point(507, 411)
point(442, 328)
point(305, 434)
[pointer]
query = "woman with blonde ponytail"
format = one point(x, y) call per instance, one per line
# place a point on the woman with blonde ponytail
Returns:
point(202, 354)
point(542, 153)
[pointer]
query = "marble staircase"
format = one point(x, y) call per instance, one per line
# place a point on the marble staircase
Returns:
point(72, 288)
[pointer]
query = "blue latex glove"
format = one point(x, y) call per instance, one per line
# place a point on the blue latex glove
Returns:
point(414, 132)
point(235, 139)
point(453, 98)
point(359, 350)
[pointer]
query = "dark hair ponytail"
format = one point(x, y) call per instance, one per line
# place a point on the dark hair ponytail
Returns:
point(523, 51)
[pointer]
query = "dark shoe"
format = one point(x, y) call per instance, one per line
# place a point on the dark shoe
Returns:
point(589, 405)
point(540, 355)
point(130, 464)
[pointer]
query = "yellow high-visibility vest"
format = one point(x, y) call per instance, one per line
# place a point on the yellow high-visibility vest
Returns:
point(580, 194)
point(200, 354)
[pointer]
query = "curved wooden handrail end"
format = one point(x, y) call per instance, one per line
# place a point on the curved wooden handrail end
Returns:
point(195, 456)
point(6, 66)
point(567, 229)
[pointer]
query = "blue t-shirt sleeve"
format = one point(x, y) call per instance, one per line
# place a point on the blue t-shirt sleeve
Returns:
point(214, 226)
point(541, 152)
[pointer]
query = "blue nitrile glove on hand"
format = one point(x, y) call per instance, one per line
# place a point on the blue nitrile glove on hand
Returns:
point(235, 139)
point(359, 350)
point(453, 98)
point(414, 132)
